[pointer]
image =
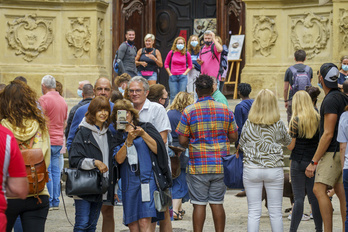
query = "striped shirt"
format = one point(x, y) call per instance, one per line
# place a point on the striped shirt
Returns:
point(207, 123)
point(11, 162)
point(262, 144)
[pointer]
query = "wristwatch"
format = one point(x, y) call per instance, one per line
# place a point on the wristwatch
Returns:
point(314, 163)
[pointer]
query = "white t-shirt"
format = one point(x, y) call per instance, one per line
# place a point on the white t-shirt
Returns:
point(342, 135)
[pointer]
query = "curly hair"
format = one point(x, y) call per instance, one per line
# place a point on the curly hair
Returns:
point(124, 105)
point(174, 49)
point(244, 89)
point(190, 49)
point(204, 84)
point(17, 102)
point(181, 101)
point(97, 104)
point(124, 77)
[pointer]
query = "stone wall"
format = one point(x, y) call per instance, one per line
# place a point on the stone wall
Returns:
point(67, 39)
point(275, 29)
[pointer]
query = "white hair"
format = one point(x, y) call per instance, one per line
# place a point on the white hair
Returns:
point(142, 80)
point(49, 81)
point(149, 36)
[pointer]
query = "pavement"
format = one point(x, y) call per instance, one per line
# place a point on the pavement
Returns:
point(236, 210)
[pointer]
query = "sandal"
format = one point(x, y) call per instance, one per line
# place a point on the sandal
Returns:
point(177, 216)
point(182, 212)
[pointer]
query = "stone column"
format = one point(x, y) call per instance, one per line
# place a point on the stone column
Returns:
point(67, 39)
point(275, 29)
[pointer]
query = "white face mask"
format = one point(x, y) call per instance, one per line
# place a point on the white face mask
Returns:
point(132, 156)
point(79, 92)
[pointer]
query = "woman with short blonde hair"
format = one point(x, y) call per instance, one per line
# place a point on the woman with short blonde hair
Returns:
point(262, 138)
point(304, 130)
point(149, 60)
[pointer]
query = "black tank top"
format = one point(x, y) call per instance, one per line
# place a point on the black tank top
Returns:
point(151, 64)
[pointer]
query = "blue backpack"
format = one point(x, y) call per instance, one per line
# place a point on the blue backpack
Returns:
point(301, 79)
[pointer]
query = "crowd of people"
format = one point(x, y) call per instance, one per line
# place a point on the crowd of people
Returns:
point(134, 154)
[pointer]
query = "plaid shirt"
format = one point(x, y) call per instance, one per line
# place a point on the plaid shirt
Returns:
point(207, 123)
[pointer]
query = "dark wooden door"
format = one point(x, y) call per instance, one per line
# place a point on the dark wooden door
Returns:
point(174, 18)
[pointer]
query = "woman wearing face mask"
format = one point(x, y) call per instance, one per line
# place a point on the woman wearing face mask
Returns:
point(343, 71)
point(158, 93)
point(178, 63)
point(148, 60)
point(193, 48)
point(121, 82)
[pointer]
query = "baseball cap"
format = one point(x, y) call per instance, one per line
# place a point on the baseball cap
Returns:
point(330, 74)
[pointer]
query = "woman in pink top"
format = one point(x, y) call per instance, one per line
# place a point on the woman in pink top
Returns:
point(178, 63)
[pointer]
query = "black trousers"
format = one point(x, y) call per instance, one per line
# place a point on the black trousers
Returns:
point(33, 215)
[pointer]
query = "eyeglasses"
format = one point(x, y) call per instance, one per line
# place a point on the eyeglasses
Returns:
point(135, 91)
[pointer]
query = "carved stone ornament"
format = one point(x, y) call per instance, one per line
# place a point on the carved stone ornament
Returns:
point(79, 37)
point(135, 5)
point(100, 36)
point(310, 34)
point(29, 36)
point(343, 25)
point(265, 34)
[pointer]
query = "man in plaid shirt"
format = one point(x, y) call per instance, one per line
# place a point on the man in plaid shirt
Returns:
point(207, 128)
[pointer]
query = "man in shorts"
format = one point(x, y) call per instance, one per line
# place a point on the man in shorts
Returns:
point(326, 160)
point(207, 128)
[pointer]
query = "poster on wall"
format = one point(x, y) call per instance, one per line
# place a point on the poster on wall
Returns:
point(202, 25)
point(235, 47)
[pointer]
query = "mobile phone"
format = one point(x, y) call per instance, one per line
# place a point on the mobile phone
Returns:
point(121, 119)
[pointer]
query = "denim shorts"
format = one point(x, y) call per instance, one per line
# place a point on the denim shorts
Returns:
point(153, 77)
point(206, 188)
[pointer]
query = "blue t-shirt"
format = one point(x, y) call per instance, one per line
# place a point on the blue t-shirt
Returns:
point(241, 114)
point(174, 118)
point(342, 78)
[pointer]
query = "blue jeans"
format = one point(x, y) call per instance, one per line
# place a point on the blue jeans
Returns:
point(86, 215)
point(53, 185)
point(345, 184)
point(177, 83)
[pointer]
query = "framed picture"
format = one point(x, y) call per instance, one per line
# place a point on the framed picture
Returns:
point(235, 47)
point(202, 25)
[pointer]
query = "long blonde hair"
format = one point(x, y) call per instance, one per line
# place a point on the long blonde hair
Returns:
point(308, 117)
point(265, 109)
point(174, 49)
point(181, 101)
point(196, 49)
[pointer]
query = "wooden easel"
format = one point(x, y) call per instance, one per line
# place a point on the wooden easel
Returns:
point(232, 64)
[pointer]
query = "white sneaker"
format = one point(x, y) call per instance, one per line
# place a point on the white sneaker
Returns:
point(305, 217)
point(289, 217)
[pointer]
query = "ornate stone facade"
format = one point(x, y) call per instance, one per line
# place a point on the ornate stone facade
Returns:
point(63, 38)
point(29, 36)
point(275, 29)
point(310, 33)
point(265, 34)
point(135, 5)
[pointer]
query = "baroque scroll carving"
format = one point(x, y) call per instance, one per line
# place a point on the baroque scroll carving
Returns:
point(100, 37)
point(265, 34)
point(310, 33)
point(343, 26)
point(235, 7)
point(79, 37)
point(135, 5)
point(29, 36)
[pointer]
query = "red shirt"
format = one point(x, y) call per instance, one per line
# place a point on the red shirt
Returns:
point(11, 162)
point(56, 110)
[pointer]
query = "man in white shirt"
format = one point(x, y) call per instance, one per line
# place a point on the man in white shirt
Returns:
point(138, 89)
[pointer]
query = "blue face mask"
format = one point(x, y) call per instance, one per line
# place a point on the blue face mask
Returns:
point(79, 92)
point(320, 86)
point(121, 90)
point(180, 46)
point(345, 67)
point(194, 43)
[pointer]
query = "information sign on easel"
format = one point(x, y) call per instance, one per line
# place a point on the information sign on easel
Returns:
point(234, 53)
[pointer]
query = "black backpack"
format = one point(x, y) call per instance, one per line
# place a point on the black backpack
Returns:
point(223, 58)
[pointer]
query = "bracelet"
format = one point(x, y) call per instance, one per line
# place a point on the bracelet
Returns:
point(314, 163)
point(94, 162)
point(128, 145)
